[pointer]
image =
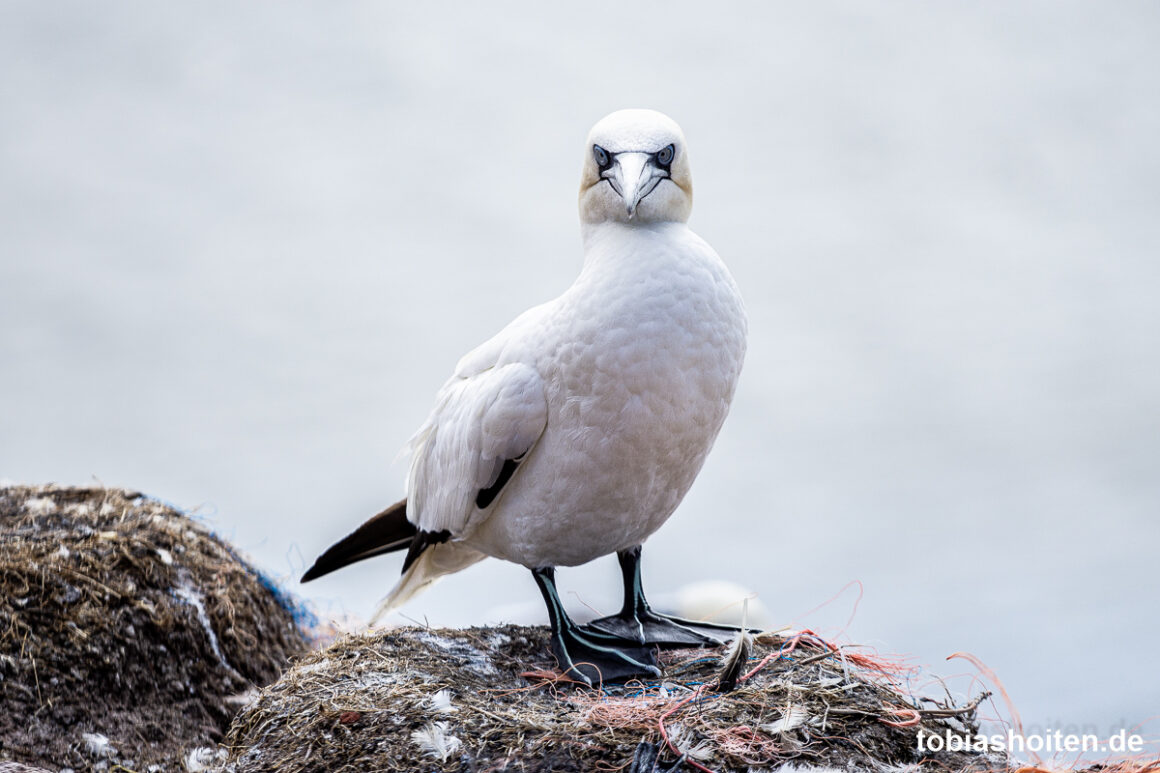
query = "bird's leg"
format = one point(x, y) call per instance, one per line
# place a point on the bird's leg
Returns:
point(591, 656)
point(638, 622)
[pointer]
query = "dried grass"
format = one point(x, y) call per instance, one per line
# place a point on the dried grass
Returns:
point(365, 703)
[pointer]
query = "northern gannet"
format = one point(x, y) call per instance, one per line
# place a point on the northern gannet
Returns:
point(577, 430)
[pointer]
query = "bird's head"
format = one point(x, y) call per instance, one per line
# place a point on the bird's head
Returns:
point(636, 169)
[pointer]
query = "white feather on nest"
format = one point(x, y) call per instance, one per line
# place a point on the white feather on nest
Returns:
point(435, 741)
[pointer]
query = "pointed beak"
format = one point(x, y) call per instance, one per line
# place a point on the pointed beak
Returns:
point(633, 176)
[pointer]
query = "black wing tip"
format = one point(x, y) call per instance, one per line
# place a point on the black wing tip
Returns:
point(313, 573)
point(324, 564)
point(388, 531)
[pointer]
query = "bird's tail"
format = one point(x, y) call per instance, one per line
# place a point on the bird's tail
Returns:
point(386, 532)
point(434, 562)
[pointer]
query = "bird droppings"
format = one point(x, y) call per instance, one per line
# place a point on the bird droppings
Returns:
point(472, 658)
point(115, 658)
point(188, 594)
point(794, 700)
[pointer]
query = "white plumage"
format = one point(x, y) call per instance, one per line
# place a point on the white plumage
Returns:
point(612, 393)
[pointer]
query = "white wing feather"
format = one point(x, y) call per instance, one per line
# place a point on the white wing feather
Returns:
point(493, 409)
point(479, 421)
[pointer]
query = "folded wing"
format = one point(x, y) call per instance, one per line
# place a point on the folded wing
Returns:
point(483, 426)
point(465, 456)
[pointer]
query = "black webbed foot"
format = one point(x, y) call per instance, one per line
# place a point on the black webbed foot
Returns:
point(652, 628)
point(637, 622)
point(595, 656)
point(591, 656)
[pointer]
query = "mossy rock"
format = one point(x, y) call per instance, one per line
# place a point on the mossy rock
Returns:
point(129, 633)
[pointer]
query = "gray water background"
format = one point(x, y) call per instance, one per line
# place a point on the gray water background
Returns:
point(241, 245)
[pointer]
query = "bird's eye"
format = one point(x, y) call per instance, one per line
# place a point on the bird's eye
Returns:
point(665, 155)
point(601, 156)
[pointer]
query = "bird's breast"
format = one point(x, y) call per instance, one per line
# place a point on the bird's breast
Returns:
point(640, 362)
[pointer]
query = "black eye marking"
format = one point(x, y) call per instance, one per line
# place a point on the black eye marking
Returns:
point(602, 157)
point(664, 156)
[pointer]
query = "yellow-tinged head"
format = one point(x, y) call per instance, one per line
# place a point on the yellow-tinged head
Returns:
point(636, 170)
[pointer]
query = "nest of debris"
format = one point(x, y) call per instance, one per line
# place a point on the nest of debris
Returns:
point(127, 630)
point(481, 699)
